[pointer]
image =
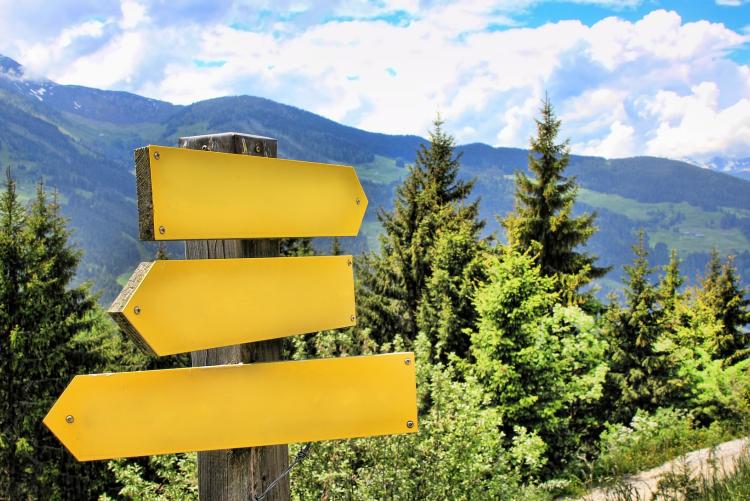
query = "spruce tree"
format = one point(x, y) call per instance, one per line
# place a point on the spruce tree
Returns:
point(543, 210)
point(728, 303)
point(669, 294)
point(641, 375)
point(336, 249)
point(12, 256)
point(392, 283)
point(296, 247)
point(46, 340)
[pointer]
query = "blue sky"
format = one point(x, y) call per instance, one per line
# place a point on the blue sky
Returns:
point(628, 77)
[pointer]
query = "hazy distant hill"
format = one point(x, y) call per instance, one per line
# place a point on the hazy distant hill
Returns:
point(80, 141)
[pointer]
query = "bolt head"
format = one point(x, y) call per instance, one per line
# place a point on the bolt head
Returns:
point(410, 424)
point(69, 419)
point(407, 361)
point(352, 318)
point(358, 201)
point(258, 148)
point(156, 155)
point(162, 230)
point(137, 310)
point(348, 262)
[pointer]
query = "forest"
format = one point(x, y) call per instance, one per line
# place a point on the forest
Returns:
point(530, 386)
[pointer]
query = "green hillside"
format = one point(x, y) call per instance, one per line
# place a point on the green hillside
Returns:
point(80, 142)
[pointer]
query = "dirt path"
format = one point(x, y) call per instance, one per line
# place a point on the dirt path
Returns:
point(699, 462)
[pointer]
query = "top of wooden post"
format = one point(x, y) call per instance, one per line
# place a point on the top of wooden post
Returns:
point(225, 142)
point(232, 142)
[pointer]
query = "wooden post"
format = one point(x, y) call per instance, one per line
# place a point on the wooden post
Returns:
point(238, 474)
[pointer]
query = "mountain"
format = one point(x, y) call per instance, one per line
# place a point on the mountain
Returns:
point(79, 141)
point(739, 167)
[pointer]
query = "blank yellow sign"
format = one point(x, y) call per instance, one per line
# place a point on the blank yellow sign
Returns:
point(207, 408)
point(188, 194)
point(178, 306)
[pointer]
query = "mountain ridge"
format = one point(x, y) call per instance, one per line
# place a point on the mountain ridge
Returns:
point(80, 141)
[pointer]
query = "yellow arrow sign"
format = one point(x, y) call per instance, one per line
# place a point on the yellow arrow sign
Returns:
point(207, 408)
point(191, 194)
point(185, 305)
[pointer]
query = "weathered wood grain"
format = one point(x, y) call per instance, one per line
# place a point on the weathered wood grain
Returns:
point(238, 474)
point(116, 309)
point(143, 193)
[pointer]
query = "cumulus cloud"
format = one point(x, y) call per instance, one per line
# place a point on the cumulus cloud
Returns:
point(621, 87)
point(691, 125)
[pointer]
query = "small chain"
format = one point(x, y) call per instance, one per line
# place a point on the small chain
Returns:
point(301, 455)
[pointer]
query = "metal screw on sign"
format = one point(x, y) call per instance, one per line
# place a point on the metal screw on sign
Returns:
point(410, 424)
point(137, 310)
point(358, 201)
point(156, 155)
point(349, 262)
point(351, 318)
point(258, 148)
point(407, 361)
point(69, 419)
point(162, 230)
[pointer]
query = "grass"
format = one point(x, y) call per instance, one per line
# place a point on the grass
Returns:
point(371, 230)
point(122, 279)
point(678, 225)
point(381, 170)
point(652, 440)
point(720, 487)
point(679, 485)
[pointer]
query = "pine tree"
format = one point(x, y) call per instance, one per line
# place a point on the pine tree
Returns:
point(12, 221)
point(542, 364)
point(669, 295)
point(392, 284)
point(727, 303)
point(336, 249)
point(446, 310)
point(543, 210)
point(46, 339)
point(296, 247)
point(641, 375)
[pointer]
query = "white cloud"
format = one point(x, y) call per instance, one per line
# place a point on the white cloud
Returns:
point(620, 142)
point(621, 87)
point(731, 3)
point(133, 14)
point(694, 126)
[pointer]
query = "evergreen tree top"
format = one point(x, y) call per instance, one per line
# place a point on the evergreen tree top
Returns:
point(543, 211)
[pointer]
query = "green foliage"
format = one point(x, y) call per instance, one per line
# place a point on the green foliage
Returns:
point(296, 247)
point(431, 199)
point(544, 206)
point(727, 303)
point(643, 375)
point(456, 269)
point(49, 333)
point(720, 392)
point(541, 363)
point(650, 440)
point(717, 482)
point(719, 485)
point(174, 477)
point(458, 452)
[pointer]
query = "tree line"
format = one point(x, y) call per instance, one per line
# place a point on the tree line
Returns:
point(525, 377)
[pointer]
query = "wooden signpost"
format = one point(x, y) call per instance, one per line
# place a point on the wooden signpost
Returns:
point(222, 302)
point(230, 312)
point(189, 194)
point(106, 416)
